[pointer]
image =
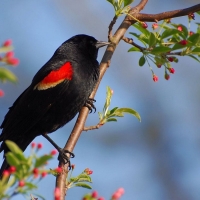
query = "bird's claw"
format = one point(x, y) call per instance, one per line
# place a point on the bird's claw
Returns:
point(90, 104)
point(63, 156)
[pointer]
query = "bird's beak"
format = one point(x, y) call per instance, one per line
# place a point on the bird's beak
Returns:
point(100, 44)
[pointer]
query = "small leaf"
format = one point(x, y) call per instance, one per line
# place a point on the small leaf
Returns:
point(135, 34)
point(142, 61)
point(14, 148)
point(127, 2)
point(84, 185)
point(11, 182)
point(111, 120)
point(196, 50)
point(160, 49)
point(194, 39)
point(152, 40)
point(7, 75)
point(133, 49)
point(31, 185)
point(195, 58)
point(108, 99)
point(81, 178)
point(169, 32)
point(142, 30)
point(184, 32)
point(112, 111)
point(130, 111)
point(12, 159)
point(111, 1)
point(42, 160)
point(53, 172)
point(178, 46)
point(84, 176)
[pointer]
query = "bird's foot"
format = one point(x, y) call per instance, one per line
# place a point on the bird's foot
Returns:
point(90, 104)
point(62, 152)
point(64, 157)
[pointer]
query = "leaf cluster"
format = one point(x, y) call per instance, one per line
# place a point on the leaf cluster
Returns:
point(166, 42)
point(120, 6)
point(111, 115)
point(24, 171)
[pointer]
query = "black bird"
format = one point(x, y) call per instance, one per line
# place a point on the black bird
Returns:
point(57, 93)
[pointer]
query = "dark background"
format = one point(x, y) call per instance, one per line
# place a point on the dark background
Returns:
point(155, 159)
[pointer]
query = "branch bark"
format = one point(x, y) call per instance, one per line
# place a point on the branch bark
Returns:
point(119, 34)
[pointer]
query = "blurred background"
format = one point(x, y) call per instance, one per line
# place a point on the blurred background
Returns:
point(158, 158)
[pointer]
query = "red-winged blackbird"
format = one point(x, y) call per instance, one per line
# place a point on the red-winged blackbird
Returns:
point(57, 93)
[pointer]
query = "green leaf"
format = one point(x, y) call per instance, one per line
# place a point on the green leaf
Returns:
point(196, 51)
point(160, 49)
point(108, 99)
point(42, 160)
point(169, 32)
point(184, 32)
point(53, 172)
point(198, 12)
point(6, 74)
point(133, 49)
point(112, 111)
point(129, 111)
point(12, 159)
point(152, 40)
point(195, 58)
point(142, 30)
point(111, 120)
point(127, 2)
point(31, 186)
point(194, 39)
point(11, 182)
point(178, 46)
point(14, 148)
point(135, 34)
point(81, 178)
point(111, 1)
point(142, 61)
point(84, 185)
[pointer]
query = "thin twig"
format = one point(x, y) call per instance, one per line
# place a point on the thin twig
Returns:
point(130, 41)
point(89, 128)
point(110, 27)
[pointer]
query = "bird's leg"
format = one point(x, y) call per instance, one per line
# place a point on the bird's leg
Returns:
point(90, 104)
point(62, 152)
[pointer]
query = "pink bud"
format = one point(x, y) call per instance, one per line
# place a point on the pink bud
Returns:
point(21, 183)
point(155, 78)
point(1, 93)
point(94, 194)
point(57, 193)
point(7, 43)
point(54, 152)
point(39, 146)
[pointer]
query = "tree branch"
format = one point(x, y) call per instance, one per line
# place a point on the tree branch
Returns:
point(164, 15)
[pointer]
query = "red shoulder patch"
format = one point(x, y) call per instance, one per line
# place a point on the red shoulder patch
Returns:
point(55, 77)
